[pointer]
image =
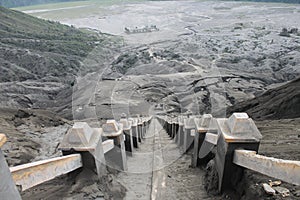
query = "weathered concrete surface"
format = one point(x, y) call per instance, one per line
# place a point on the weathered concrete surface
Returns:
point(176, 179)
point(2, 140)
point(138, 178)
point(157, 170)
point(32, 174)
point(286, 170)
point(107, 145)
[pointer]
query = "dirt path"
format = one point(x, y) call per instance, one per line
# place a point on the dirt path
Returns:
point(158, 170)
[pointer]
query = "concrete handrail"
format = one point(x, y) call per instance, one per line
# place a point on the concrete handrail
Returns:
point(285, 170)
point(116, 158)
point(35, 173)
point(2, 140)
point(236, 140)
point(80, 141)
point(32, 174)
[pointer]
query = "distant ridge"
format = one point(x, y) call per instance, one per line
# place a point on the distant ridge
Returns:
point(272, 1)
point(278, 103)
point(19, 3)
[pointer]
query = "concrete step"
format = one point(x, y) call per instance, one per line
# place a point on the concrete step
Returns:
point(158, 170)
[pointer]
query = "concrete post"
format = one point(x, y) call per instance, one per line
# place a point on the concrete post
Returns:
point(188, 138)
point(146, 123)
point(115, 158)
point(177, 130)
point(176, 125)
point(134, 129)
point(180, 132)
point(8, 189)
point(140, 130)
point(173, 127)
point(163, 122)
point(236, 132)
point(203, 125)
point(169, 126)
point(83, 139)
point(128, 135)
point(144, 127)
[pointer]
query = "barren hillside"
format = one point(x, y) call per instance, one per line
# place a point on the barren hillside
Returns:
point(277, 103)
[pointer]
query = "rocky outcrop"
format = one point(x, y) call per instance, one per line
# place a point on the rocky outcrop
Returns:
point(276, 103)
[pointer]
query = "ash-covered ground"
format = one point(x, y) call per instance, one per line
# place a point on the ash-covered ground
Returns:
point(206, 57)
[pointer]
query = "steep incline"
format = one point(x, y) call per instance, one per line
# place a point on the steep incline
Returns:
point(158, 170)
point(40, 59)
point(40, 48)
point(277, 103)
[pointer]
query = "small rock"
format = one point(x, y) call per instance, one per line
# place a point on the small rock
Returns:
point(22, 114)
point(283, 191)
point(268, 189)
point(293, 31)
point(284, 32)
point(297, 193)
point(274, 183)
